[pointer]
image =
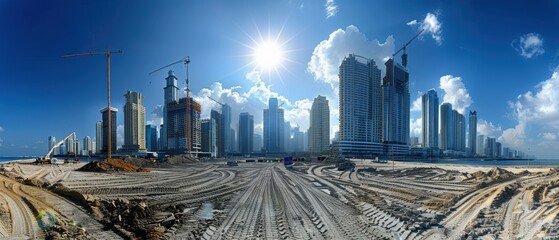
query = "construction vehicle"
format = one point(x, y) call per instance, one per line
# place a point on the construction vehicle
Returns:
point(47, 158)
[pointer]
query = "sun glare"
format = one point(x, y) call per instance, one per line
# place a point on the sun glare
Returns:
point(268, 55)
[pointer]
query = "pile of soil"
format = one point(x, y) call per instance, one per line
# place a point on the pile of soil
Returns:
point(178, 159)
point(112, 165)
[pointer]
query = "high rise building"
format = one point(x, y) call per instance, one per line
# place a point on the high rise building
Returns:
point(490, 147)
point(209, 137)
point(105, 132)
point(396, 103)
point(134, 123)
point(176, 126)
point(151, 138)
point(480, 145)
point(228, 145)
point(360, 107)
point(472, 133)
point(52, 142)
point(246, 133)
point(286, 146)
point(98, 137)
point(297, 140)
point(273, 127)
point(87, 146)
point(447, 129)
point(319, 130)
point(459, 128)
point(430, 116)
point(171, 95)
point(217, 118)
point(257, 143)
point(70, 146)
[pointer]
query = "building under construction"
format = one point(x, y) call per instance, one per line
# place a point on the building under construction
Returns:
point(176, 126)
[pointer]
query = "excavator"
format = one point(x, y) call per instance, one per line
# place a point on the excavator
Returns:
point(47, 158)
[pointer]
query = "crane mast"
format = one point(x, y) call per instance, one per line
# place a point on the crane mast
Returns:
point(109, 127)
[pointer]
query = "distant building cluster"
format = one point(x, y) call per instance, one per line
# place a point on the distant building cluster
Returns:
point(374, 117)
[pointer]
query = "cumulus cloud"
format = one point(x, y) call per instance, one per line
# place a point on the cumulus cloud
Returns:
point(455, 93)
point(549, 136)
point(252, 100)
point(538, 112)
point(331, 8)
point(416, 127)
point(529, 45)
point(328, 54)
point(156, 116)
point(430, 25)
point(417, 105)
point(488, 128)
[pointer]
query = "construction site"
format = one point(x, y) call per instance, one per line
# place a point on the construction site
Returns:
point(187, 199)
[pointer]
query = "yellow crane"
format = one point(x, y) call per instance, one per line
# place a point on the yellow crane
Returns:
point(108, 53)
point(188, 136)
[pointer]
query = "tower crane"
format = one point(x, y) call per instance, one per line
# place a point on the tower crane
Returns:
point(281, 104)
point(216, 101)
point(108, 53)
point(404, 55)
point(186, 61)
point(47, 158)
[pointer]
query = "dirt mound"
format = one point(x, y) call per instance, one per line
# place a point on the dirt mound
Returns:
point(499, 173)
point(112, 165)
point(177, 159)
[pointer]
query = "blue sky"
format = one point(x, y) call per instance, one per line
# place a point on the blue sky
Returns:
point(497, 58)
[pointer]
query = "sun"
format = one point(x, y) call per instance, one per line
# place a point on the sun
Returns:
point(268, 55)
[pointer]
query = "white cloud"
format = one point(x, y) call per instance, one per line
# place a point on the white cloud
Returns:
point(328, 54)
point(529, 45)
point(156, 116)
point(488, 128)
point(430, 24)
point(1, 129)
point(331, 8)
point(455, 93)
point(253, 101)
point(417, 105)
point(538, 112)
point(416, 127)
point(549, 136)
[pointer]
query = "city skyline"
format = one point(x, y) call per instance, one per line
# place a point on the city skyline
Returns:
point(465, 54)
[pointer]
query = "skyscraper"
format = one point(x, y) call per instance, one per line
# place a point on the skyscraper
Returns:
point(209, 137)
point(472, 131)
point(246, 133)
point(360, 107)
point(98, 137)
point(480, 145)
point(151, 138)
point(171, 95)
point(105, 132)
point(87, 146)
point(52, 142)
point(176, 126)
point(217, 118)
point(134, 120)
point(257, 144)
point(319, 130)
point(396, 104)
point(447, 130)
point(273, 127)
point(228, 145)
point(459, 128)
point(430, 116)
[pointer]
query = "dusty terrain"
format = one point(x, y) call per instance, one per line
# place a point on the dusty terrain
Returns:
point(210, 200)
